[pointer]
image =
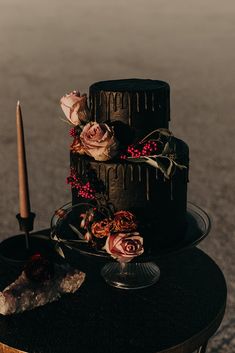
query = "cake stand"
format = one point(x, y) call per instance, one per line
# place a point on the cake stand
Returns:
point(142, 271)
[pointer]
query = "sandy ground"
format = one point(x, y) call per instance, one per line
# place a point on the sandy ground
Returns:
point(50, 48)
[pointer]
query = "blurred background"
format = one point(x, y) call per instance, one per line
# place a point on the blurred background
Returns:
point(49, 48)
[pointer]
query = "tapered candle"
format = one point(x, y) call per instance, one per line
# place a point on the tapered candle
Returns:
point(24, 202)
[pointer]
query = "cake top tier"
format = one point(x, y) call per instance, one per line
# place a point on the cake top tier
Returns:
point(143, 104)
point(130, 85)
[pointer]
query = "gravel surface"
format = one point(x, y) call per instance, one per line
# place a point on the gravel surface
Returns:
point(50, 48)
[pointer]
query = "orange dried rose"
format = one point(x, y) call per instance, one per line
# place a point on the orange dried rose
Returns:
point(124, 221)
point(77, 146)
point(101, 229)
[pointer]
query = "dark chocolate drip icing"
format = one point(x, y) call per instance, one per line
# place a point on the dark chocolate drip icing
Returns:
point(95, 106)
point(156, 174)
point(84, 166)
point(108, 106)
point(139, 173)
point(171, 182)
point(116, 171)
point(132, 173)
point(107, 178)
point(90, 103)
point(124, 173)
point(115, 101)
point(146, 101)
point(129, 109)
point(81, 167)
point(137, 102)
point(122, 95)
point(104, 98)
point(147, 184)
point(152, 103)
point(99, 171)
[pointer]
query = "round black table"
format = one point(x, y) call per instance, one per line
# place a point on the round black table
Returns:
point(176, 315)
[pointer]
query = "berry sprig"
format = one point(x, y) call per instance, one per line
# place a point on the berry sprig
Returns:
point(141, 150)
point(73, 132)
point(84, 189)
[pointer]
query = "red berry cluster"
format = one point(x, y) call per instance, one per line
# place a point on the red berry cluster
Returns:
point(141, 149)
point(73, 132)
point(84, 189)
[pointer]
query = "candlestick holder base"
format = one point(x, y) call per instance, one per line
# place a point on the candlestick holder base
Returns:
point(26, 224)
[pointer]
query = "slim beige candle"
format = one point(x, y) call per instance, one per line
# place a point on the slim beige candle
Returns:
point(24, 202)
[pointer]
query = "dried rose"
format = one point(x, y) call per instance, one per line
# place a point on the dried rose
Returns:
point(124, 221)
point(101, 229)
point(75, 108)
point(98, 141)
point(77, 146)
point(124, 246)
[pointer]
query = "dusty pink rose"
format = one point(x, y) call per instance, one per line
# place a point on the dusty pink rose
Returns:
point(75, 108)
point(124, 246)
point(99, 141)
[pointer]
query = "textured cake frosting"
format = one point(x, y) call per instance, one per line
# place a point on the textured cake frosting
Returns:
point(158, 201)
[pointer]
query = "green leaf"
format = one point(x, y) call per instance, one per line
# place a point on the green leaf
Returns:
point(165, 165)
point(180, 166)
point(59, 250)
point(55, 237)
point(74, 241)
point(168, 149)
point(165, 132)
point(137, 160)
point(76, 231)
point(40, 236)
point(152, 162)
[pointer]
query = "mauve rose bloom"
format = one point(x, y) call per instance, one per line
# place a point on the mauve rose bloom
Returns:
point(124, 246)
point(75, 108)
point(99, 141)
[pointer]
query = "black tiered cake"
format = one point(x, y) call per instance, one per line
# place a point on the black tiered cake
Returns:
point(142, 169)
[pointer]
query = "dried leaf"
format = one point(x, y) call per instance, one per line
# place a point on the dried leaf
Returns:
point(76, 231)
point(59, 250)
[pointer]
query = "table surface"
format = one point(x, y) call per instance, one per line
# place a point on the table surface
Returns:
point(178, 314)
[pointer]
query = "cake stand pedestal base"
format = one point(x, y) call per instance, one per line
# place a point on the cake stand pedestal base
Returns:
point(134, 275)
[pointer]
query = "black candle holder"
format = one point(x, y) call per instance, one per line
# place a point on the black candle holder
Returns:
point(26, 224)
point(17, 249)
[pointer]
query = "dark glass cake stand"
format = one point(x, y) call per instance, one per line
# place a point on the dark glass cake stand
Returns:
point(142, 271)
